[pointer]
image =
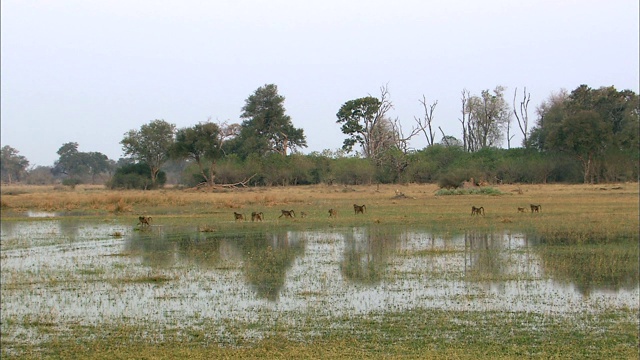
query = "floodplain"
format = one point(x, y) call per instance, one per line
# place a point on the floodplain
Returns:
point(415, 275)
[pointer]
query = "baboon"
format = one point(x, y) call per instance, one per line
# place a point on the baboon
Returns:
point(520, 209)
point(303, 214)
point(257, 216)
point(333, 212)
point(477, 210)
point(287, 214)
point(536, 208)
point(238, 216)
point(359, 209)
point(144, 220)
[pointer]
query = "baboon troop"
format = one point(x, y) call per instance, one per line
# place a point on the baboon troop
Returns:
point(287, 214)
point(536, 208)
point(520, 209)
point(477, 210)
point(359, 209)
point(333, 213)
point(144, 220)
point(257, 216)
point(238, 216)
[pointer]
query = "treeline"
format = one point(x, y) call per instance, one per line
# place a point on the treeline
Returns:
point(588, 135)
point(447, 166)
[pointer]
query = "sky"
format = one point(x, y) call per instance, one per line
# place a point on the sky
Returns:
point(88, 71)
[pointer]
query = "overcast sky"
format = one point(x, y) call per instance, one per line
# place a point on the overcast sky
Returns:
point(89, 71)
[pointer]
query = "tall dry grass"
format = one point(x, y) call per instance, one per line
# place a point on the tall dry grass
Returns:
point(578, 212)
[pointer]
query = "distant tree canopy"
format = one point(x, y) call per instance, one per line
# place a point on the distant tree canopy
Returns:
point(266, 128)
point(13, 167)
point(78, 165)
point(586, 135)
point(598, 127)
point(150, 145)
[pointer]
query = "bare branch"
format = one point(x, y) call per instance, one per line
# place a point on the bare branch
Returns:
point(523, 122)
point(426, 127)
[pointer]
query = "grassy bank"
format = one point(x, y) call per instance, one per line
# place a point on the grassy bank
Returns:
point(569, 213)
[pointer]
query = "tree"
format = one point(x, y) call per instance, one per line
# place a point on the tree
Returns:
point(584, 135)
point(266, 128)
point(202, 144)
point(486, 115)
point(523, 116)
point(151, 145)
point(363, 121)
point(425, 125)
point(77, 165)
point(599, 127)
point(12, 166)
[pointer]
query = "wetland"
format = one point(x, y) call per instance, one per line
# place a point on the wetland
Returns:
point(89, 283)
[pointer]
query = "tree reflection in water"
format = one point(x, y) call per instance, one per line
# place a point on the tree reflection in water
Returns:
point(366, 254)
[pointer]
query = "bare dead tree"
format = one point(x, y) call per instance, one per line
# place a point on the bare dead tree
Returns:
point(466, 94)
point(523, 118)
point(378, 129)
point(425, 125)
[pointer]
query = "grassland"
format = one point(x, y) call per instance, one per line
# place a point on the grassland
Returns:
point(580, 226)
point(574, 213)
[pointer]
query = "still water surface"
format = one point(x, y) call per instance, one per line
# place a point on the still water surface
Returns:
point(80, 272)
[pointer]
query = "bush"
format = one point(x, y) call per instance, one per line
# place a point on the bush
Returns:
point(136, 176)
point(71, 182)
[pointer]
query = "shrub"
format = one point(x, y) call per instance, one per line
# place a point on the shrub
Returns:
point(136, 176)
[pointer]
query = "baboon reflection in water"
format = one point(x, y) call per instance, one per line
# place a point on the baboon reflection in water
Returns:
point(536, 208)
point(238, 216)
point(144, 220)
point(520, 209)
point(257, 216)
point(359, 209)
point(287, 213)
point(477, 210)
point(333, 212)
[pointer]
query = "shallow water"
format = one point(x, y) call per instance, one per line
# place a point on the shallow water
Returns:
point(79, 272)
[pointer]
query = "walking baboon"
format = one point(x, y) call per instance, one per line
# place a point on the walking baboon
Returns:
point(536, 208)
point(303, 214)
point(257, 216)
point(144, 220)
point(359, 209)
point(238, 216)
point(287, 214)
point(520, 209)
point(333, 212)
point(477, 210)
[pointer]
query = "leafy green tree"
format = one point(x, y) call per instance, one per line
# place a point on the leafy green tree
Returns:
point(78, 165)
point(200, 143)
point(151, 145)
point(364, 122)
point(266, 127)
point(599, 127)
point(12, 166)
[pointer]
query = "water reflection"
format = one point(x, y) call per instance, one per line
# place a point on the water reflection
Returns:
point(264, 257)
point(351, 269)
point(366, 254)
point(592, 268)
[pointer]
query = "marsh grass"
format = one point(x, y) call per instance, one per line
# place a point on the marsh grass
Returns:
point(580, 227)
